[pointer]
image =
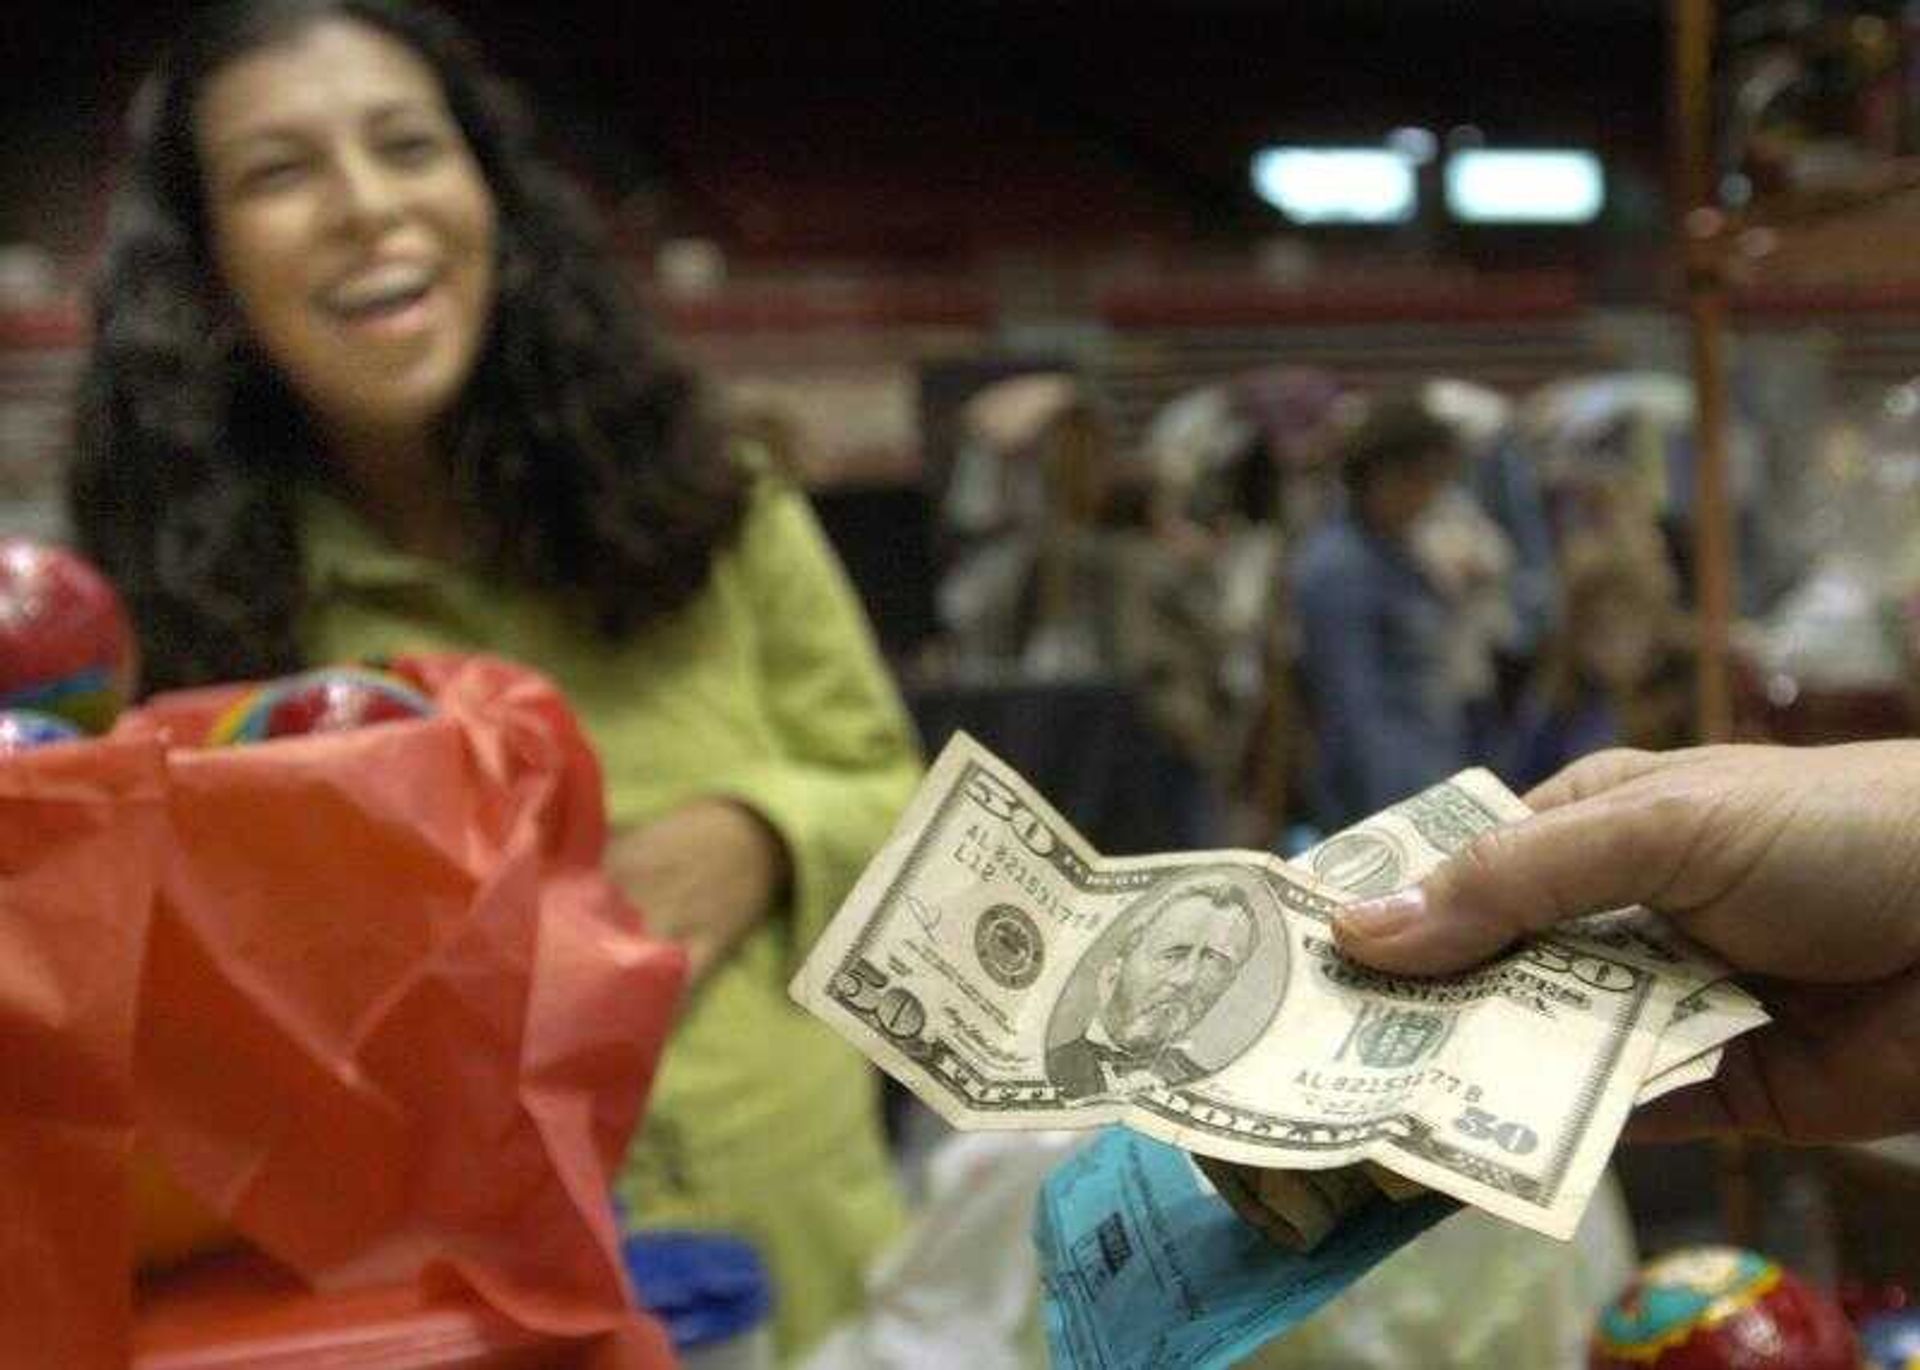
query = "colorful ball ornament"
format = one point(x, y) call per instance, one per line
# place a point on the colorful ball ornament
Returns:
point(1721, 1308)
point(22, 730)
point(331, 700)
point(66, 646)
point(1891, 1340)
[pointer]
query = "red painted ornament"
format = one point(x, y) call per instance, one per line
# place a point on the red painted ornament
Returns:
point(66, 646)
point(1721, 1308)
point(331, 700)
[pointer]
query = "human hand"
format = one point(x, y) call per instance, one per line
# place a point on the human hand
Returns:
point(1801, 867)
point(704, 874)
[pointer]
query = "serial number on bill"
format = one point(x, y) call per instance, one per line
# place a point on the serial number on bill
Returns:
point(999, 861)
point(1374, 1086)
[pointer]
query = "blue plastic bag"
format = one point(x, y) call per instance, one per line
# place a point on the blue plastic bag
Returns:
point(1144, 1266)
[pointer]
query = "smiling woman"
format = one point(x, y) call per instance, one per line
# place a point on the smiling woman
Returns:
point(355, 234)
point(338, 260)
point(364, 380)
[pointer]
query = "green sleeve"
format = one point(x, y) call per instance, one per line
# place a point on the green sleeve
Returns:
point(848, 756)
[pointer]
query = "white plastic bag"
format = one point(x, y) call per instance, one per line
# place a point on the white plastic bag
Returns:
point(960, 1290)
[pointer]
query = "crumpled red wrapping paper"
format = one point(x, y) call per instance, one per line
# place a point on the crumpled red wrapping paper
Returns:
point(367, 995)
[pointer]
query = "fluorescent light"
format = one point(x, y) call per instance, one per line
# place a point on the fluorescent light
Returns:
point(1490, 186)
point(1353, 185)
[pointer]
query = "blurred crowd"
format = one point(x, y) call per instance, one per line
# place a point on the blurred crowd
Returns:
point(1329, 598)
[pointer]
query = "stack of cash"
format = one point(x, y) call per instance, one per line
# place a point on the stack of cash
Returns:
point(1012, 977)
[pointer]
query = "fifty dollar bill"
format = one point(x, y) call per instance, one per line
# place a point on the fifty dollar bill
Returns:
point(997, 965)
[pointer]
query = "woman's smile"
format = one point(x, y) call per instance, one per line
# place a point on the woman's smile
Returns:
point(387, 301)
point(354, 230)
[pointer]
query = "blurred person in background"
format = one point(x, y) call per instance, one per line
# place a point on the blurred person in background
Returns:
point(1502, 476)
point(1377, 630)
point(1462, 553)
point(1205, 628)
point(1615, 673)
point(1037, 578)
point(364, 379)
point(1232, 473)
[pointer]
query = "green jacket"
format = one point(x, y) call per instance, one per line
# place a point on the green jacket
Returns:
point(766, 688)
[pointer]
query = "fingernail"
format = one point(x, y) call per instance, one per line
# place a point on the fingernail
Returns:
point(1377, 919)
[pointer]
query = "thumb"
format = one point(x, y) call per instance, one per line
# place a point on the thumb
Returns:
point(1600, 853)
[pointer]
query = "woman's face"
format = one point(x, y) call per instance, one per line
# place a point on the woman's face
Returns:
point(351, 224)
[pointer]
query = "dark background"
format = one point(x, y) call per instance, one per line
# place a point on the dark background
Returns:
point(937, 133)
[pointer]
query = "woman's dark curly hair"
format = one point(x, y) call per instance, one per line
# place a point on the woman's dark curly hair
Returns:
point(583, 459)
